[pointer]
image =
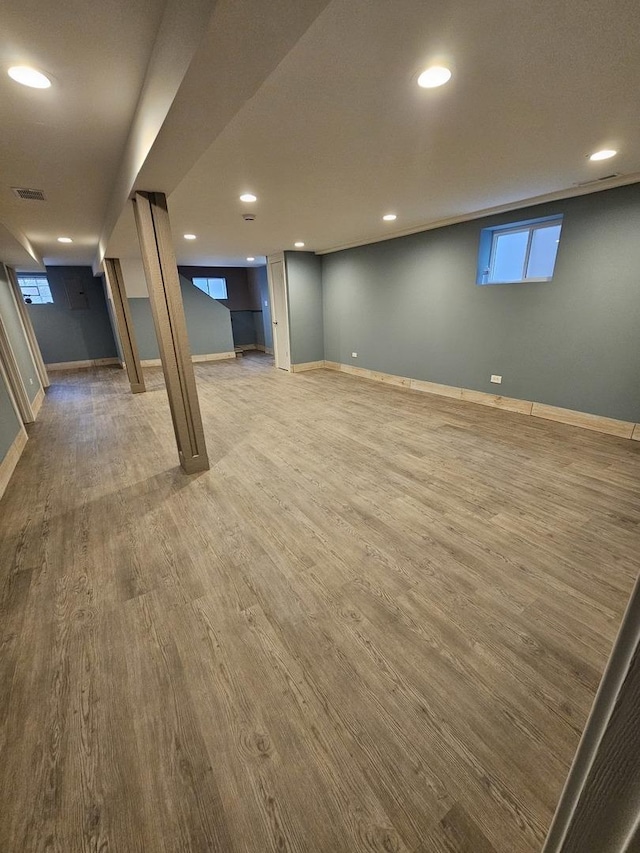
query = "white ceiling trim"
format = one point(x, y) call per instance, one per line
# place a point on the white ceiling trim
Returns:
point(570, 192)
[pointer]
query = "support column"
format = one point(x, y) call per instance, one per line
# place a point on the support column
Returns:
point(16, 385)
point(124, 323)
point(34, 346)
point(599, 807)
point(161, 272)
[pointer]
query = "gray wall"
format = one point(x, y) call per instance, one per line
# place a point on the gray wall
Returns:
point(238, 291)
point(208, 323)
point(10, 424)
point(304, 282)
point(243, 327)
point(19, 345)
point(73, 334)
point(410, 307)
point(259, 285)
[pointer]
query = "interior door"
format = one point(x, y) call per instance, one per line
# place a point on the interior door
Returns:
point(279, 314)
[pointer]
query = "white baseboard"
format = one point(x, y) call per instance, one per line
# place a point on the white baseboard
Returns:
point(213, 356)
point(8, 464)
point(596, 423)
point(76, 365)
point(37, 402)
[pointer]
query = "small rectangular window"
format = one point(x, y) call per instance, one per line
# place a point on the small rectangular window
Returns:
point(216, 288)
point(35, 289)
point(519, 252)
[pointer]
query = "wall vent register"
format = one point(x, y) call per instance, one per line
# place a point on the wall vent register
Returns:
point(27, 194)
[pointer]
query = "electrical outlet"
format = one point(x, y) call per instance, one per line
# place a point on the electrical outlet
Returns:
point(497, 379)
point(266, 304)
point(354, 355)
point(31, 380)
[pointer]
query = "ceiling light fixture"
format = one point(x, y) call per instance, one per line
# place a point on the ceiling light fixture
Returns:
point(248, 198)
point(250, 259)
point(65, 240)
point(605, 154)
point(390, 217)
point(29, 77)
point(299, 244)
point(433, 77)
point(189, 236)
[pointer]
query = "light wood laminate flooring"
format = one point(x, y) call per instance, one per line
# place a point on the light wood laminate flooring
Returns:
point(376, 624)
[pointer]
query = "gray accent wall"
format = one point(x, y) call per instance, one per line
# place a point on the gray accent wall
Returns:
point(259, 285)
point(15, 332)
point(73, 334)
point(208, 323)
point(411, 307)
point(304, 285)
point(10, 424)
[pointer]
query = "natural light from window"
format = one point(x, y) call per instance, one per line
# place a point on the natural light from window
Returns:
point(519, 252)
point(216, 288)
point(35, 289)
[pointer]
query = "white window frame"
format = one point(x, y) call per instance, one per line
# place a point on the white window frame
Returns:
point(209, 278)
point(530, 229)
point(24, 278)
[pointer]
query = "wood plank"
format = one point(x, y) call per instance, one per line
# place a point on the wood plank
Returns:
point(510, 404)
point(436, 388)
point(611, 426)
point(377, 623)
point(307, 365)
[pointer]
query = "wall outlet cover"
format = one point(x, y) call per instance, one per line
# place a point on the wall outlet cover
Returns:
point(496, 379)
point(354, 355)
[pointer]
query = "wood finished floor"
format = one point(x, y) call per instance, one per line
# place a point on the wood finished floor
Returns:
point(377, 624)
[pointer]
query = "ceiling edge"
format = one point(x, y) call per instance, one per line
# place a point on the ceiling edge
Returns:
point(569, 192)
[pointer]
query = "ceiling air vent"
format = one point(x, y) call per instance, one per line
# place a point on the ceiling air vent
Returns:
point(29, 194)
point(598, 180)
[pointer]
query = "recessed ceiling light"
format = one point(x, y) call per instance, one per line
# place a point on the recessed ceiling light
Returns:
point(250, 259)
point(65, 240)
point(389, 217)
point(605, 154)
point(189, 236)
point(29, 77)
point(248, 197)
point(299, 244)
point(435, 76)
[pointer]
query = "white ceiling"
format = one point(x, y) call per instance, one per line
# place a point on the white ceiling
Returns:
point(321, 117)
point(68, 140)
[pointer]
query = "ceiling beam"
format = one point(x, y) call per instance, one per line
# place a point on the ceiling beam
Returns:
point(225, 61)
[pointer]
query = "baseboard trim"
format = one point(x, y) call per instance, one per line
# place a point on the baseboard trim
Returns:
point(8, 464)
point(78, 365)
point(596, 423)
point(37, 402)
point(212, 356)
point(307, 365)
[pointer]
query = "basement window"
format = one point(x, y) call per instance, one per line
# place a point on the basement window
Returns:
point(519, 252)
point(216, 288)
point(35, 289)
